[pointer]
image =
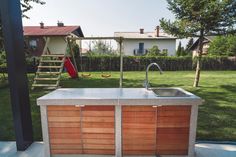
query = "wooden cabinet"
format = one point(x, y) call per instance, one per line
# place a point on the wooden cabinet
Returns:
point(81, 130)
point(172, 130)
point(98, 130)
point(148, 130)
point(138, 130)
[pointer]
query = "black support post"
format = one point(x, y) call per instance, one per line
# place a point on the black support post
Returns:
point(14, 45)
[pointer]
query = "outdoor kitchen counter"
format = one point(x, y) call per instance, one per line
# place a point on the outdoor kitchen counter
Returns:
point(118, 122)
point(111, 96)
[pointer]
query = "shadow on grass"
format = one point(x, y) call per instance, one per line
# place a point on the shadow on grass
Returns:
point(216, 119)
point(230, 88)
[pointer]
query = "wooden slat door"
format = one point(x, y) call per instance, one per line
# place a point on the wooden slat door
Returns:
point(85, 130)
point(139, 130)
point(64, 129)
point(173, 130)
point(98, 130)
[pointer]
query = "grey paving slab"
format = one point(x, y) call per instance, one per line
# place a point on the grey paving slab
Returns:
point(215, 150)
point(8, 149)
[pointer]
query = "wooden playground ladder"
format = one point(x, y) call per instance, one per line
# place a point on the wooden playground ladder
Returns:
point(49, 71)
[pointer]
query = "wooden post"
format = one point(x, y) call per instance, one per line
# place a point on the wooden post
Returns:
point(16, 65)
point(72, 54)
point(121, 63)
point(45, 49)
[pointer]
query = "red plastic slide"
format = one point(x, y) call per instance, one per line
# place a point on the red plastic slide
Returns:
point(70, 68)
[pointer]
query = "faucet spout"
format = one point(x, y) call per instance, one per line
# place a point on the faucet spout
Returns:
point(146, 82)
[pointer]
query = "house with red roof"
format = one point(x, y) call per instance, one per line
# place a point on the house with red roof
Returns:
point(49, 39)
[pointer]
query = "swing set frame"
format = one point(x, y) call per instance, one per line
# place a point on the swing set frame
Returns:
point(117, 39)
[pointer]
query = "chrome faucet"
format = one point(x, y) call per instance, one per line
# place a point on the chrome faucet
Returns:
point(146, 82)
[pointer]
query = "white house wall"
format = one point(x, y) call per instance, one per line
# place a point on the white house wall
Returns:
point(129, 45)
point(57, 45)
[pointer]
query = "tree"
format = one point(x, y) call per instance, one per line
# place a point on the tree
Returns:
point(99, 47)
point(180, 50)
point(189, 44)
point(155, 51)
point(26, 5)
point(199, 18)
point(223, 46)
point(232, 46)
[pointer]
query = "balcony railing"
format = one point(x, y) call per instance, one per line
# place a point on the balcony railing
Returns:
point(140, 52)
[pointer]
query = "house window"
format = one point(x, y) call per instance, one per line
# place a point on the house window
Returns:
point(141, 46)
point(33, 44)
point(140, 51)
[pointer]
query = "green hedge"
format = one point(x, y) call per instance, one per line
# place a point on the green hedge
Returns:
point(31, 63)
point(218, 63)
point(131, 63)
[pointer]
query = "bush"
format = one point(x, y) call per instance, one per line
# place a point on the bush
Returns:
point(31, 63)
point(139, 63)
point(223, 46)
point(155, 51)
point(217, 63)
point(2, 59)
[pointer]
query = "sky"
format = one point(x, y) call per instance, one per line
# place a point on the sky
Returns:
point(101, 17)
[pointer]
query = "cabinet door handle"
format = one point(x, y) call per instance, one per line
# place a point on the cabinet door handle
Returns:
point(155, 106)
point(79, 105)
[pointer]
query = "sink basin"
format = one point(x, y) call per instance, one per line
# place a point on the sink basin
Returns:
point(169, 92)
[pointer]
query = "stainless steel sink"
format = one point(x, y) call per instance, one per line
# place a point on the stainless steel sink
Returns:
point(169, 92)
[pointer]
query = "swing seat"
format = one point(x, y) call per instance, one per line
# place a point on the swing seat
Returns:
point(85, 75)
point(106, 75)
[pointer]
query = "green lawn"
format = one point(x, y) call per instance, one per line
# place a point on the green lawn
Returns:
point(217, 117)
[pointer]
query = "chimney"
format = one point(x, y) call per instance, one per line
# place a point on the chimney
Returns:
point(60, 24)
point(141, 31)
point(157, 31)
point(41, 25)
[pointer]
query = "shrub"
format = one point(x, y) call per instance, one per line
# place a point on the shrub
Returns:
point(223, 46)
point(155, 51)
point(137, 63)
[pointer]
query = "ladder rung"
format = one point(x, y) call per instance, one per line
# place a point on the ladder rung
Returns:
point(51, 61)
point(58, 55)
point(53, 67)
point(44, 85)
point(49, 73)
point(46, 79)
point(50, 88)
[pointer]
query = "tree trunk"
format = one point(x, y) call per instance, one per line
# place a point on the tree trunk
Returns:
point(199, 58)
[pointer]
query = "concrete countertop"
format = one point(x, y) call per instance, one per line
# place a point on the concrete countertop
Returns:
point(113, 96)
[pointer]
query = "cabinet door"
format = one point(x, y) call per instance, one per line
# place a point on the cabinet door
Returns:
point(98, 130)
point(139, 130)
point(173, 130)
point(64, 129)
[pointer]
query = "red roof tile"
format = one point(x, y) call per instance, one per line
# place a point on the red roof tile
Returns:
point(49, 30)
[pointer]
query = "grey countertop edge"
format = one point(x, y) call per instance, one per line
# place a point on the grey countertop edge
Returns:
point(151, 99)
point(121, 102)
point(103, 102)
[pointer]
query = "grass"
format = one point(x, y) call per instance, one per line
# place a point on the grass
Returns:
point(217, 117)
